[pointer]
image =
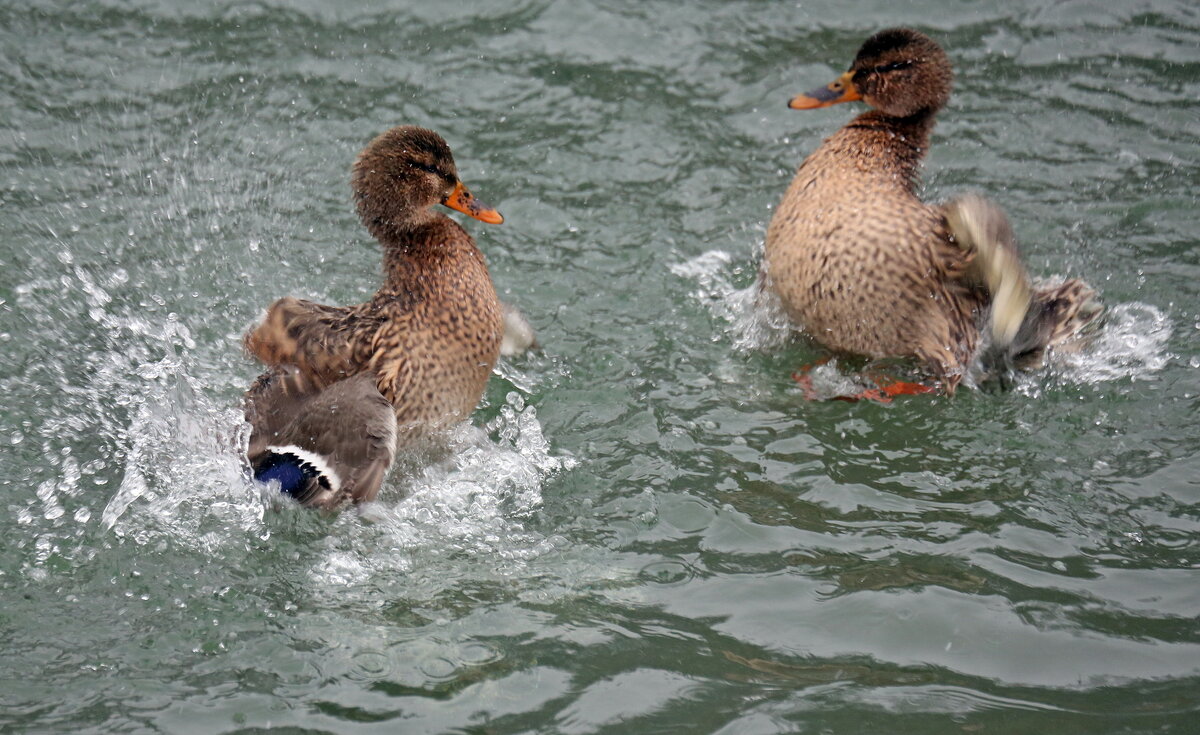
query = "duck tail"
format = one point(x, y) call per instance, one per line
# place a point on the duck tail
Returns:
point(1023, 321)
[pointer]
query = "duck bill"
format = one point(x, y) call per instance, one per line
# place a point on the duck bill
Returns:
point(461, 200)
point(839, 90)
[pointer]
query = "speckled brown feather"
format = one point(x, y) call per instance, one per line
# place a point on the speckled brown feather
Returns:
point(860, 262)
point(856, 258)
point(431, 333)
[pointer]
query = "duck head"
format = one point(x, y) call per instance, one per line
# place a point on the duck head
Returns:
point(900, 72)
point(404, 172)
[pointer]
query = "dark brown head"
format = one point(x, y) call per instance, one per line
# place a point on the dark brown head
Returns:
point(900, 72)
point(404, 172)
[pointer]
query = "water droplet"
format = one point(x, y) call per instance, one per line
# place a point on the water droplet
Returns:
point(477, 653)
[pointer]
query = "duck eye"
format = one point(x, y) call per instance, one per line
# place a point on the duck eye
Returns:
point(894, 66)
point(425, 167)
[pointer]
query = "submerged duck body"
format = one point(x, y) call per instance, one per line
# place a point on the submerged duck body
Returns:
point(428, 339)
point(865, 267)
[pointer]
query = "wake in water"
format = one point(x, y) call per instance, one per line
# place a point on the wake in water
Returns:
point(1130, 343)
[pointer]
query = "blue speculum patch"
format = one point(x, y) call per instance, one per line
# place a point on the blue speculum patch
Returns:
point(291, 473)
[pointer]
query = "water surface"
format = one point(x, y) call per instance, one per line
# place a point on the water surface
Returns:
point(645, 528)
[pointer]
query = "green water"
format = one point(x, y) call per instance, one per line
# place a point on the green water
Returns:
point(646, 529)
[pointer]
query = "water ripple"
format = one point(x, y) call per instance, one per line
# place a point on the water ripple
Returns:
point(647, 527)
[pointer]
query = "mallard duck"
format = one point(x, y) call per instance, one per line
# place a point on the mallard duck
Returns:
point(426, 342)
point(865, 267)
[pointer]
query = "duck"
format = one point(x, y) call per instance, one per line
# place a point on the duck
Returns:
point(346, 385)
point(865, 267)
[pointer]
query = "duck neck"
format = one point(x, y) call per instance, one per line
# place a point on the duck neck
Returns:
point(902, 140)
point(417, 248)
point(397, 232)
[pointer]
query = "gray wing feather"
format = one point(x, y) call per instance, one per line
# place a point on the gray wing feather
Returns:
point(349, 424)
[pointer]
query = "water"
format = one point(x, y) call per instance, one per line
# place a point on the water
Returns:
point(645, 528)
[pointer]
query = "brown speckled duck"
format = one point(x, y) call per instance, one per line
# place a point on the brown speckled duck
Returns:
point(865, 267)
point(426, 342)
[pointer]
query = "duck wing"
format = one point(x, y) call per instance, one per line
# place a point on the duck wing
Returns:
point(519, 336)
point(324, 446)
point(981, 228)
point(327, 343)
point(272, 402)
point(1025, 321)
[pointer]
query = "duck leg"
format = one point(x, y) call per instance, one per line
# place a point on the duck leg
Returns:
point(885, 392)
point(804, 379)
point(885, 387)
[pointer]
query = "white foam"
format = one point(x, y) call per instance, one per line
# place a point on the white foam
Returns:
point(755, 320)
point(472, 506)
point(1131, 344)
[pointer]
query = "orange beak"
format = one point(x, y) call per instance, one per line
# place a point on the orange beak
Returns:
point(462, 200)
point(841, 89)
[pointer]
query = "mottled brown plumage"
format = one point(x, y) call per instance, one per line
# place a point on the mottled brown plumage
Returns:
point(865, 267)
point(431, 334)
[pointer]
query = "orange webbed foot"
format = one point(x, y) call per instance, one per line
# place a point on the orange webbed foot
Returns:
point(884, 390)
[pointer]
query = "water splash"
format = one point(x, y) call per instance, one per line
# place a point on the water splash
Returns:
point(184, 481)
point(1130, 344)
point(754, 318)
point(184, 485)
point(182, 464)
point(473, 506)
